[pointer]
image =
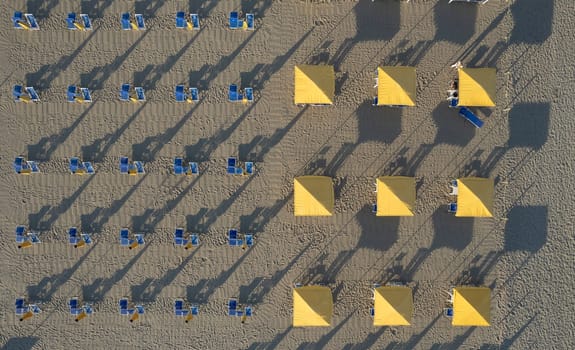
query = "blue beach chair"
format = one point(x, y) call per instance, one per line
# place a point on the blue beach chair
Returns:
point(249, 94)
point(71, 21)
point(32, 93)
point(21, 235)
point(125, 92)
point(179, 239)
point(194, 21)
point(194, 169)
point(250, 21)
point(234, 20)
point(18, 21)
point(179, 308)
point(21, 306)
point(17, 92)
point(125, 20)
point(86, 21)
point(233, 239)
point(76, 166)
point(74, 306)
point(21, 166)
point(124, 165)
point(470, 117)
point(232, 307)
point(32, 23)
point(452, 208)
point(232, 168)
point(140, 94)
point(139, 167)
point(453, 102)
point(194, 94)
point(181, 22)
point(125, 240)
point(233, 95)
point(124, 307)
point(141, 25)
point(180, 94)
point(179, 168)
point(249, 240)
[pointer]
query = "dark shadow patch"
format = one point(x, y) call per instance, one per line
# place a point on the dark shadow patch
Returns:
point(46, 288)
point(41, 8)
point(194, 222)
point(526, 229)
point(452, 129)
point(321, 273)
point(202, 7)
point(450, 231)
point(454, 22)
point(20, 343)
point(148, 8)
point(533, 21)
point(408, 53)
point(261, 216)
point(96, 8)
point(257, 7)
point(379, 20)
point(380, 124)
point(479, 268)
point(324, 340)
point(529, 125)
point(368, 342)
point(377, 232)
point(272, 344)
point(96, 291)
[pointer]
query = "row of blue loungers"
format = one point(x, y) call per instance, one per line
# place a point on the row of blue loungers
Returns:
point(26, 238)
point(80, 310)
point(78, 167)
point(84, 23)
point(181, 94)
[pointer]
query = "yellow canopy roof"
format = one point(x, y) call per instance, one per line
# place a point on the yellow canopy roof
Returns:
point(396, 86)
point(314, 84)
point(312, 306)
point(395, 196)
point(477, 87)
point(393, 306)
point(475, 197)
point(313, 196)
point(471, 306)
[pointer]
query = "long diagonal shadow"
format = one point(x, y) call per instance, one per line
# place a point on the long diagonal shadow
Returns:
point(45, 218)
point(43, 78)
point(46, 288)
point(43, 150)
point(100, 147)
point(101, 286)
point(151, 288)
point(95, 221)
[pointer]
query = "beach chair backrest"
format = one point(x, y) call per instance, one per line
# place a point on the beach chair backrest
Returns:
point(124, 165)
point(194, 94)
point(233, 20)
point(141, 25)
point(195, 19)
point(180, 19)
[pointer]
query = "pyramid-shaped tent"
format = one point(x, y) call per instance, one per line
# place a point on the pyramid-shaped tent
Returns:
point(314, 84)
point(475, 197)
point(471, 306)
point(313, 196)
point(393, 306)
point(395, 196)
point(312, 306)
point(396, 86)
point(477, 87)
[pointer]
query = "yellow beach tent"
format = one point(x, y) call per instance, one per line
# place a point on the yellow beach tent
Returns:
point(314, 84)
point(395, 196)
point(475, 197)
point(312, 306)
point(393, 306)
point(396, 86)
point(477, 87)
point(313, 196)
point(471, 306)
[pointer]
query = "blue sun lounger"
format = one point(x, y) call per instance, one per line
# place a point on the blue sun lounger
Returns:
point(470, 117)
point(32, 93)
point(73, 95)
point(140, 21)
point(194, 168)
point(32, 23)
point(125, 240)
point(181, 22)
point(233, 95)
point(140, 94)
point(179, 308)
point(180, 94)
point(25, 167)
point(179, 167)
point(125, 20)
point(179, 239)
point(235, 21)
point(232, 307)
point(194, 94)
point(249, 168)
point(250, 19)
point(232, 167)
point(124, 165)
point(17, 92)
point(249, 239)
point(452, 208)
point(21, 234)
point(78, 240)
point(233, 238)
point(125, 92)
point(195, 21)
point(80, 168)
point(83, 24)
point(18, 21)
point(126, 310)
point(21, 306)
point(74, 306)
point(26, 94)
point(139, 167)
point(249, 94)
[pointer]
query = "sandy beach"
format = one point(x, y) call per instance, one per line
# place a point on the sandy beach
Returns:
point(524, 253)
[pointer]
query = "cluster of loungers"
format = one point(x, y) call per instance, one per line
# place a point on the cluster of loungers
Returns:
point(136, 22)
point(76, 166)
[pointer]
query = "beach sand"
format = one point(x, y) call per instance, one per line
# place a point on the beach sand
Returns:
point(524, 253)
